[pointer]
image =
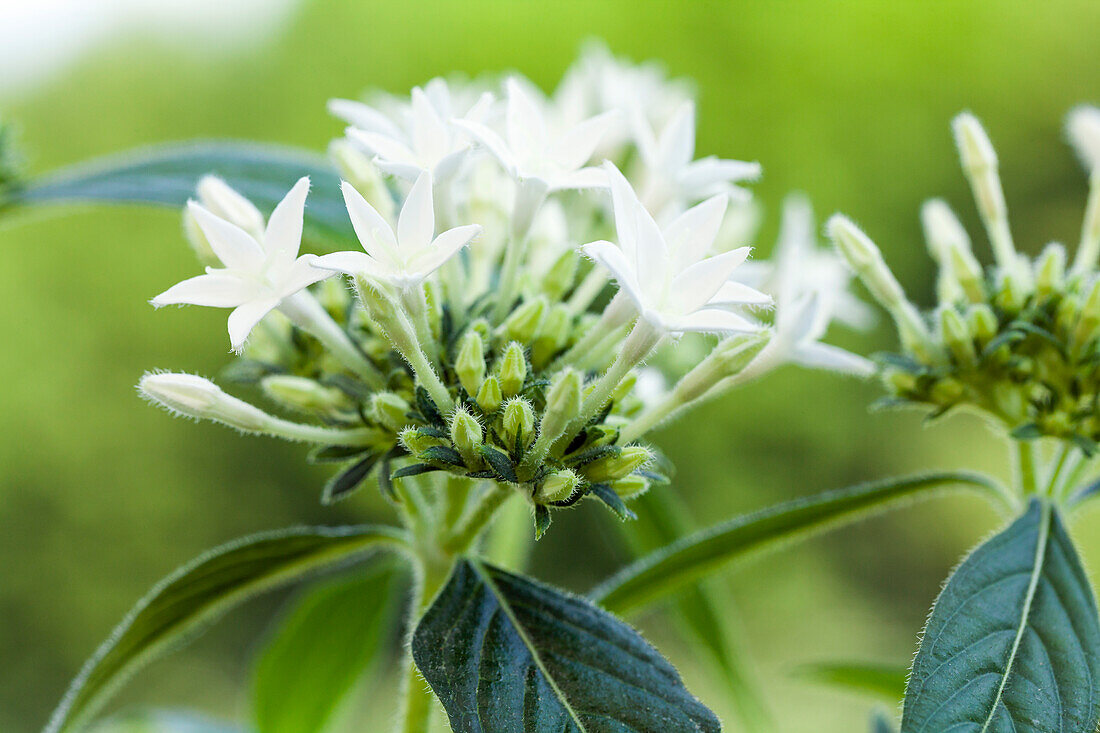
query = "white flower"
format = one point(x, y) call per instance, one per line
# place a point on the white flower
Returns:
point(810, 286)
point(531, 151)
point(259, 272)
point(405, 258)
point(423, 141)
point(667, 274)
point(671, 178)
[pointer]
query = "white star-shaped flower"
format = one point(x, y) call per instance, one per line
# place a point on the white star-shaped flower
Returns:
point(671, 178)
point(810, 285)
point(403, 258)
point(259, 272)
point(422, 139)
point(674, 285)
point(531, 151)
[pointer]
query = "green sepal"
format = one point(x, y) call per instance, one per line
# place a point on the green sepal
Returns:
point(349, 479)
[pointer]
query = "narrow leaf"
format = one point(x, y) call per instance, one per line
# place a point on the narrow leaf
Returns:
point(349, 479)
point(201, 591)
point(613, 501)
point(322, 647)
point(1013, 642)
point(542, 520)
point(884, 681)
point(507, 655)
point(166, 175)
point(686, 561)
point(500, 463)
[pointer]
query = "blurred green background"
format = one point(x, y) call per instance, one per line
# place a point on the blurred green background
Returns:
point(100, 495)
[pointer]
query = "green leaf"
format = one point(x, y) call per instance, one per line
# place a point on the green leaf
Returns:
point(325, 644)
point(507, 655)
point(882, 723)
point(696, 556)
point(1013, 643)
point(349, 479)
point(884, 681)
point(161, 721)
point(202, 590)
point(166, 175)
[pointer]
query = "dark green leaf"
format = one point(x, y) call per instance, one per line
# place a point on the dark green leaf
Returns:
point(335, 453)
point(613, 501)
point(349, 479)
point(884, 681)
point(201, 591)
point(542, 521)
point(443, 454)
point(882, 723)
point(414, 469)
point(696, 556)
point(324, 645)
point(1027, 431)
point(500, 463)
point(1013, 643)
point(166, 175)
point(427, 407)
point(507, 655)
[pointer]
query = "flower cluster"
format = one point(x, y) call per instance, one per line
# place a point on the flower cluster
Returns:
point(522, 256)
point(1018, 341)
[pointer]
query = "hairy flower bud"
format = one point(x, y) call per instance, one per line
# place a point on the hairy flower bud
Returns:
point(518, 422)
point(466, 435)
point(416, 441)
point(982, 323)
point(563, 402)
point(470, 362)
point(358, 170)
point(200, 398)
point(957, 337)
point(223, 201)
point(630, 486)
point(524, 321)
point(513, 370)
point(558, 486)
point(1050, 270)
point(307, 395)
point(552, 335)
point(489, 395)
point(559, 278)
point(614, 467)
point(389, 410)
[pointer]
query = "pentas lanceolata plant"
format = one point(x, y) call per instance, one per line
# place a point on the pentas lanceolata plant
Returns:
point(510, 292)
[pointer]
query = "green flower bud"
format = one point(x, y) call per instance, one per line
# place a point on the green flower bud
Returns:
point(614, 467)
point(553, 334)
point(1090, 315)
point(558, 486)
point(513, 370)
point(198, 241)
point(524, 321)
point(947, 391)
point(483, 329)
point(563, 402)
point(1050, 270)
point(358, 170)
point(1010, 400)
point(416, 441)
point(901, 382)
point(466, 435)
point(389, 410)
point(560, 278)
point(489, 395)
point(968, 272)
point(305, 395)
point(982, 323)
point(630, 486)
point(470, 362)
point(624, 387)
point(518, 422)
point(1012, 290)
point(192, 396)
point(957, 337)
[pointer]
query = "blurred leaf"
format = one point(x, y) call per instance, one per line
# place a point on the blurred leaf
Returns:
point(160, 721)
point(166, 175)
point(331, 636)
point(199, 592)
point(882, 723)
point(1013, 642)
point(884, 681)
point(696, 556)
point(507, 655)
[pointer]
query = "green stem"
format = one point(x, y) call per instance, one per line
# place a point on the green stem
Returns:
point(1056, 471)
point(419, 701)
point(465, 534)
point(1025, 463)
point(589, 289)
point(530, 195)
point(303, 310)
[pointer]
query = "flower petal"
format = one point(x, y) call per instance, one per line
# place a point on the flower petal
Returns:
point(373, 231)
point(431, 137)
point(691, 235)
point(623, 200)
point(697, 284)
point(445, 246)
point(676, 144)
point(385, 147)
point(833, 358)
point(416, 222)
point(218, 289)
point(245, 317)
point(708, 175)
point(580, 179)
point(651, 258)
point(364, 117)
point(735, 293)
point(575, 147)
point(283, 236)
point(236, 248)
point(350, 263)
point(492, 142)
point(302, 274)
point(615, 261)
point(713, 320)
point(524, 122)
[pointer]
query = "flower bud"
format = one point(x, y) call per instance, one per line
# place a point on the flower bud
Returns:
point(518, 422)
point(563, 402)
point(974, 145)
point(630, 486)
point(200, 245)
point(614, 467)
point(942, 230)
point(224, 202)
point(483, 329)
point(416, 441)
point(389, 410)
point(979, 161)
point(466, 435)
point(957, 337)
point(553, 334)
point(1083, 127)
point(559, 278)
point(967, 271)
point(558, 486)
point(624, 387)
point(357, 169)
point(306, 395)
point(512, 371)
point(982, 323)
point(470, 362)
point(524, 321)
point(900, 381)
point(1090, 315)
point(193, 396)
point(489, 395)
point(1050, 270)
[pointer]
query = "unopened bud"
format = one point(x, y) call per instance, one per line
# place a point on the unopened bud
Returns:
point(974, 145)
point(982, 323)
point(942, 230)
point(553, 334)
point(1050, 270)
point(967, 271)
point(303, 394)
point(561, 275)
point(518, 422)
point(524, 321)
point(357, 169)
point(389, 410)
point(630, 486)
point(200, 245)
point(614, 467)
point(513, 370)
point(193, 396)
point(489, 395)
point(417, 441)
point(979, 161)
point(1090, 315)
point(558, 486)
point(224, 202)
point(563, 402)
point(1083, 128)
point(957, 337)
point(466, 435)
point(470, 362)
